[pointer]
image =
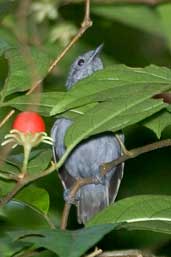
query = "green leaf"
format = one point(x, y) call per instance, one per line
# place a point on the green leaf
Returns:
point(164, 11)
point(46, 253)
point(149, 212)
point(45, 104)
point(8, 168)
point(8, 38)
point(35, 197)
point(9, 247)
point(6, 6)
point(137, 16)
point(158, 122)
point(64, 243)
point(114, 115)
point(40, 162)
point(6, 187)
point(3, 46)
point(77, 112)
point(23, 215)
point(98, 86)
point(25, 69)
point(2, 213)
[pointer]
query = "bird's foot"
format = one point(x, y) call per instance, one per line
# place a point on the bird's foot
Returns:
point(100, 179)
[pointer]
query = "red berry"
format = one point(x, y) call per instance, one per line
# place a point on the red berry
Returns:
point(29, 122)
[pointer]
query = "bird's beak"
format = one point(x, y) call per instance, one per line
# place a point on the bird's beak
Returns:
point(96, 52)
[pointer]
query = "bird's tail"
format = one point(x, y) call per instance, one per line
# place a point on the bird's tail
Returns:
point(92, 199)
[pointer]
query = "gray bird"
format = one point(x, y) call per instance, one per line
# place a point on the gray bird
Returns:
point(86, 158)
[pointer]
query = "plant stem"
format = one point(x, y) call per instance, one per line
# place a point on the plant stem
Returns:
point(77, 185)
point(27, 149)
point(126, 253)
point(65, 215)
point(106, 167)
point(6, 118)
point(84, 26)
point(11, 194)
point(95, 253)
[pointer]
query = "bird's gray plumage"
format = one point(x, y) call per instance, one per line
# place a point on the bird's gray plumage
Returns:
point(84, 66)
point(86, 158)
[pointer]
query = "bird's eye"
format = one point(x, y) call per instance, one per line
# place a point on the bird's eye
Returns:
point(81, 62)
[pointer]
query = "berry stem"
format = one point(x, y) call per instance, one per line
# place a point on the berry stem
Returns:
point(27, 149)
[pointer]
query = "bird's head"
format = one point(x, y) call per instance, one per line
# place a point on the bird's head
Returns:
point(84, 66)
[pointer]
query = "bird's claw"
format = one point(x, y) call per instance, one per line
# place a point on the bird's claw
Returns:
point(100, 179)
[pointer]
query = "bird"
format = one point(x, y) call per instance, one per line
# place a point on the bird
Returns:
point(87, 157)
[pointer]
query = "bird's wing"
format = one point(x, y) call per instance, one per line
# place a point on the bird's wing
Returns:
point(66, 179)
point(115, 182)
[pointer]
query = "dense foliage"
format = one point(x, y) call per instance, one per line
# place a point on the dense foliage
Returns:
point(137, 57)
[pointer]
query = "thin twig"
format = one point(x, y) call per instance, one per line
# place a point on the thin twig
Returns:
point(65, 215)
point(77, 185)
point(11, 194)
point(127, 253)
point(87, 15)
point(84, 26)
point(95, 253)
point(6, 118)
point(106, 167)
point(123, 253)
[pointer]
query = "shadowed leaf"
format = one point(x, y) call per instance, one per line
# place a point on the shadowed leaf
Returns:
point(64, 243)
point(149, 212)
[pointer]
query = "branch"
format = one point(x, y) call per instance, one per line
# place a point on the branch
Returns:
point(6, 118)
point(126, 253)
point(77, 185)
point(106, 167)
point(95, 253)
point(11, 194)
point(84, 26)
